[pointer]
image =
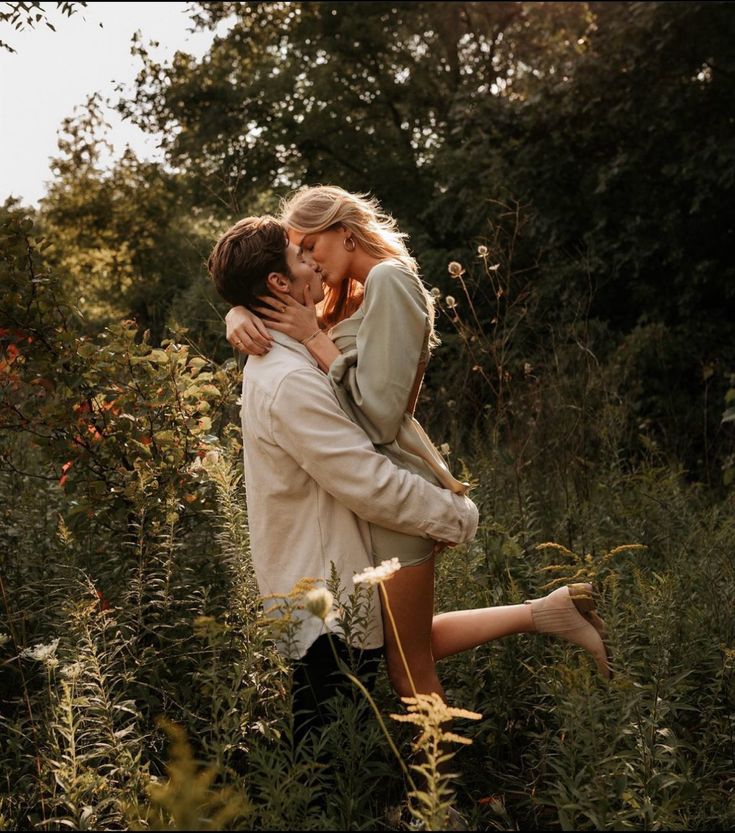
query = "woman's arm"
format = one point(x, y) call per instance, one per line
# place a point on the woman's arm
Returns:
point(373, 382)
point(246, 332)
point(299, 321)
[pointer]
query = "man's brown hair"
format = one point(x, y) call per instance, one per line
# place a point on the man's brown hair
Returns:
point(245, 255)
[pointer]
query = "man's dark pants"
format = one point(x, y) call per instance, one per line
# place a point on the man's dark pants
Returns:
point(319, 676)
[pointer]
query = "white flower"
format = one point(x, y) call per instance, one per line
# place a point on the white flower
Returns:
point(205, 462)
point(435, 291)
point(455, 269)
point(4, 639)
point(482, 251)
point(211, 458)
point(375, 575)
point(43, 653)
point(319, 602)
point(450, 301)
point(72, 671)
point(445, 449)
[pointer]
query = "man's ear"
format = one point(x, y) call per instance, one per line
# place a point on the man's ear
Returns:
point(276, 280)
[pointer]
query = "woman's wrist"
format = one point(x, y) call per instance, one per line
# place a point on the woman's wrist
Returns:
point(305, 341)
point(322, 348)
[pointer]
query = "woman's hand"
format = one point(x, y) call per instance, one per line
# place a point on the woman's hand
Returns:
point(247, 333)
point(288, 316)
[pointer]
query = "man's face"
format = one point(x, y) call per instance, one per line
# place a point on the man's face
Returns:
point(304, 273)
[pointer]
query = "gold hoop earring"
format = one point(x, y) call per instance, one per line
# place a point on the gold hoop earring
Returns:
point(349, 240)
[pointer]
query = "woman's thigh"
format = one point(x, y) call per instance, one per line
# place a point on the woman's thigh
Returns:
point(408, 610)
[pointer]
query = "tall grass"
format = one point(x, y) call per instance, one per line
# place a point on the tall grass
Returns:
point(141, 687)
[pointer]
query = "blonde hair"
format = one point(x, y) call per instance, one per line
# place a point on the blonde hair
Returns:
point(318, 208)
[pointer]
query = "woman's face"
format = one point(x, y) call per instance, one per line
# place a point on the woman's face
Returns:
point(325, 250)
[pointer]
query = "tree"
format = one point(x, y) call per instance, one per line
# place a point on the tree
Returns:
point(124, 239)
point(29, 15)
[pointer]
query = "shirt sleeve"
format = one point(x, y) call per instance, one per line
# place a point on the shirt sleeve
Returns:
point(373, 382)
point(308, 424)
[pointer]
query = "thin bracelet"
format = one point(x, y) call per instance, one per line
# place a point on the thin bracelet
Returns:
point(309, 338)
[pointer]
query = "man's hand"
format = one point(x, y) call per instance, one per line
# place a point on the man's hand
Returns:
point(247, 333)
point(288, 316)
point(439, 546)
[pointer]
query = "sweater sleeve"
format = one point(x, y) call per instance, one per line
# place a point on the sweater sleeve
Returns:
point(373, 381)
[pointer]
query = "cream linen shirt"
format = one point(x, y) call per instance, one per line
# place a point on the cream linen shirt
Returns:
point(314, 481)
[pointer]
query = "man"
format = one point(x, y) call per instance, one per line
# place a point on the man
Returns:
point(313, 479)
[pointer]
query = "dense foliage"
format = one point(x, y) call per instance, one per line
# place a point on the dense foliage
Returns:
point(564, 171)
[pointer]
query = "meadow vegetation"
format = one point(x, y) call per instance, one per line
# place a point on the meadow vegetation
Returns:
point(583, 386)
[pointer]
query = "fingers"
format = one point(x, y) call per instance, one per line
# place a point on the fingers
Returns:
point(247, 346)
point(246, 332)
point(269, 314)
point(308, 300)
point(261, 328)
point(251, 338)
point(271, 302)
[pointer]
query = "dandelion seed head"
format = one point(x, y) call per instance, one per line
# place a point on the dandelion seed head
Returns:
point(450, 301)
point(455, 269)
point(319, 602)
point(435, 291)
point(482, 251)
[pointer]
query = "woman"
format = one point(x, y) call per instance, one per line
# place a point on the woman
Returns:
point(373, 340)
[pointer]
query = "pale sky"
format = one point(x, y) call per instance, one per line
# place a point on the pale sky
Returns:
point(52, 72)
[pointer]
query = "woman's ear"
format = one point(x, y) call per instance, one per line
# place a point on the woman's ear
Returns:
point(276, 280)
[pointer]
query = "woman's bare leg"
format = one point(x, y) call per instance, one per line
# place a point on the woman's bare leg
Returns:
point(460, 630)
point(410, 595)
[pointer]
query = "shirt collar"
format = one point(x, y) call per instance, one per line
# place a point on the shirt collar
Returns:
point(292, 344)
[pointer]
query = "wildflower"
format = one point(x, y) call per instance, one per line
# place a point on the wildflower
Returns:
point(494, 267)
point(445, 449)
point(72, 671)
point(374, 575)
point(4, 639)
point(43, 653)
point(527, 368)
point(435, 291)
point(482, 251)
point(450, 301)
point(429, 712)
point(455, 269)
point(319, 602)
point(211, 458)
point(204, 461)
